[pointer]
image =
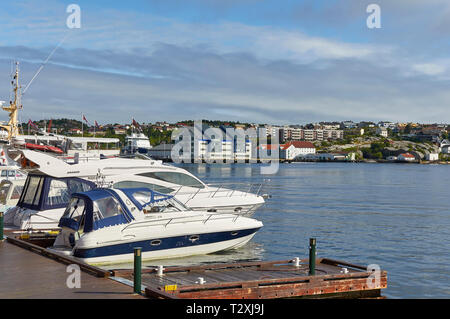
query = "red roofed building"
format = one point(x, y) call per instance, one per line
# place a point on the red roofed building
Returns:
point(294, 149)
point(406, 157)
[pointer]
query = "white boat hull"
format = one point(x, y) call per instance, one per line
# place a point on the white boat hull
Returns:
point(173, 252)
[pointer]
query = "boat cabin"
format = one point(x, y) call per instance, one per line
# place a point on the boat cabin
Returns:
point(103, 207)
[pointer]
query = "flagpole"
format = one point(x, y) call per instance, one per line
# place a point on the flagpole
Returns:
point(82, 115)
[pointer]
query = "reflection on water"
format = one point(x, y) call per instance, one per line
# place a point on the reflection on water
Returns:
point(393, 215)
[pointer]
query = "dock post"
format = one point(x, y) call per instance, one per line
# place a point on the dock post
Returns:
point(137, 270)
point(1, 225)
point(312, 256)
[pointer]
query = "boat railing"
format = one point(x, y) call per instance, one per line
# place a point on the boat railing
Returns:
point(221, 190)
point(180, 220)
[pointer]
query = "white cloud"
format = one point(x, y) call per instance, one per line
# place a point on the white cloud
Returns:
point(430, 68)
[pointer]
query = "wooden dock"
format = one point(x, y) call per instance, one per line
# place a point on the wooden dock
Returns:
point(27, 274)
point(262, 280)
point(29, 270)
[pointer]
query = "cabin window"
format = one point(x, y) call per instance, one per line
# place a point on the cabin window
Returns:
point(58, 193)
point(33, 190)
point(175, 178)
point(153, 187)
point(106, 207)
point(60, 190)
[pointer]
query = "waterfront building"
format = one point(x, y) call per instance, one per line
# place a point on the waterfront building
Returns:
point(215, 144)
point(294, 149)
point(406, 157)
point(299, 134)
point(432, 157)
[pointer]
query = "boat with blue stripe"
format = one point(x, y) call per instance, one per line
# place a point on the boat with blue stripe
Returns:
point(104, 225)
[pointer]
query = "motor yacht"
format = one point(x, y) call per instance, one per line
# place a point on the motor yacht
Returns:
point(105, 225)
point(136, 143)
point(51, 181)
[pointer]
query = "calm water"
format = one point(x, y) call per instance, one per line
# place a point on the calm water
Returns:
point(393, 215)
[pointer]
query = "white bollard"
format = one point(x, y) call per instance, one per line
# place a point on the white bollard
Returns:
point(160, 270)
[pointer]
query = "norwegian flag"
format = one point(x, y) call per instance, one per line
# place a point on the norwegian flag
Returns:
point(84, 119)
point(136, 124)
point(30, 122)
point(96, 124)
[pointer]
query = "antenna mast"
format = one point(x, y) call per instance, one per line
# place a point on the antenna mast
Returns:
point(12, 127)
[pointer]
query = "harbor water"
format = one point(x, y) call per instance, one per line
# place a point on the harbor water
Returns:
point(393, 215)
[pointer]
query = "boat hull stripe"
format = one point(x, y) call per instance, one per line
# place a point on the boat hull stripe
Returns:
point(166, 243)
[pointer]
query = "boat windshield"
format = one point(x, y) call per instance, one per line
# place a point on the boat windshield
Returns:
point(159, 203)
point(74, 215)
point(75, 209)
point(106, 207)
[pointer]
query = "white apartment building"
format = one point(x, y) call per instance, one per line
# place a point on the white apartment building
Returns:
point(297, 134)
point(218, 146)
point(291, 150)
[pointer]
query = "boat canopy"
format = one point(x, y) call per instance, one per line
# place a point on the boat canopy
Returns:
point(43, 192)
point(95, 209)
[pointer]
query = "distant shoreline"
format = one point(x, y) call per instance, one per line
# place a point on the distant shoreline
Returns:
point(368, 161)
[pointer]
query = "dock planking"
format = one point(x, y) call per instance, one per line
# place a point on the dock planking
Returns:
point(25, 274)
point(263, 280)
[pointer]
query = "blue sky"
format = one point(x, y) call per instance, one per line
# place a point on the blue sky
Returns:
point(281, 62)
